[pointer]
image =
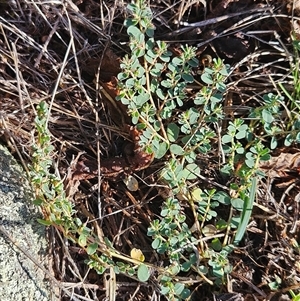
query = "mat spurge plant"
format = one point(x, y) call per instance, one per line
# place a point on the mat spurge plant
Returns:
point(179, 127)
point(49, 189)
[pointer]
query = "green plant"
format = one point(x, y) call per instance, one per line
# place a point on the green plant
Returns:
point(153, 85)
point(48, 186)
point(59, 212)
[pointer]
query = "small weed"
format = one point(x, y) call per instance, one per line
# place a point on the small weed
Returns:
point(153, 86)
point(59, 211)
point(49, 190)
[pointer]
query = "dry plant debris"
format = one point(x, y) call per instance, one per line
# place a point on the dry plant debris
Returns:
point(68, 54)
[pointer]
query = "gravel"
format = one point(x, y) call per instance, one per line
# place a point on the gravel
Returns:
point(20, 277)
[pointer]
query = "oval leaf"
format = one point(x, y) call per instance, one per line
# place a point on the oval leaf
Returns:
point(143, 273)
point(206, 78)
point(191, 171)
point(82, 239)
point(176, 149)
point(238, 204)
point(172, 132)
point(91, 249)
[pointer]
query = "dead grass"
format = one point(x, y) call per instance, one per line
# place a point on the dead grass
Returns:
point(67, 52)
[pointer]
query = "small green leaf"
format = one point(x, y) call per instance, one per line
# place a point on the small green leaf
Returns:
point(185, 294)
point(178, 288)
point(159, 92)
point(224, 70)
point(125, 101)
point(162, 248)
point(173, 241)
point(149, 59)
point(185, 267)
point(203, 269)
point(221, 87)
point(207, 79)
point(191, 171)
point(267, 116)
point(130, 82)
point(150, 32)
point(166, 83)
point(196, 194)
point(216, 244)
point(221, 225)
point(289, 140)
point(190, 157)
point(92, 248)
point(159, 66)
point(273, 143)
point(240, 150)
point(240, 135)
point(164, 290)
point(166, 57)
point(193, 62)
point(215, 98)
point(149, 47)
point(122, 76)
point(250, 161)
point(135, 117)
point(133, 31)
point(218, 271)
point(141, 99)
point(177, 61)
point(237, 203)
point(161, 150)
point(222, 197)
point(176, 149)
point(193, 115)
point(172, 132)
point(82, 239)
point(226, 139)
point(174, 270)
point(199, 100)
point(155, 72)
point(187, 77)
point(156, 243)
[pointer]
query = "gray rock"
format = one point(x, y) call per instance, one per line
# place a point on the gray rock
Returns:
point(20, 278)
